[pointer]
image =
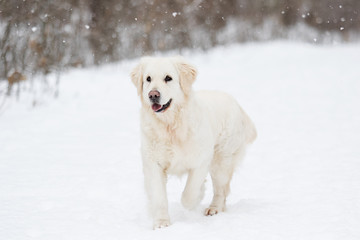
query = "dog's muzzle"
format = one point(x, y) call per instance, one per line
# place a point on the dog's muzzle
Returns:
point(154, 96)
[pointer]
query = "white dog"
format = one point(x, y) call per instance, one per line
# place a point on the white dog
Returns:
point(187, 132)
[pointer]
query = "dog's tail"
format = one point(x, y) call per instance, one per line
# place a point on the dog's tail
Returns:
point(251, 133)
point(249, 128)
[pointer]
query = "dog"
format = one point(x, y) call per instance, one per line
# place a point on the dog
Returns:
point(187, 132)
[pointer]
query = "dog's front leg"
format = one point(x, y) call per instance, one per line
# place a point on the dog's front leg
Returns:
point(194, 189)
point(155, 185)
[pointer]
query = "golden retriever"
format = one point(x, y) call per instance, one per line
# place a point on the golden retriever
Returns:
point(187, 132)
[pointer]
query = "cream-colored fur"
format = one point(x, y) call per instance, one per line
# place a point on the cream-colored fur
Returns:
point(200, 133)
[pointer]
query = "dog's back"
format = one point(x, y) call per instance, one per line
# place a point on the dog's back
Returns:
point(227, 115)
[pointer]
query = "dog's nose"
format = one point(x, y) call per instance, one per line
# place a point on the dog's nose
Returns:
point(154, 95)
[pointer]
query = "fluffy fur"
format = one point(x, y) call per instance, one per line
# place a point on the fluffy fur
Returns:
point(200, 132)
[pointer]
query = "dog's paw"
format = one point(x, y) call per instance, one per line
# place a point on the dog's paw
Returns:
point(211, 211)
point(161, 223)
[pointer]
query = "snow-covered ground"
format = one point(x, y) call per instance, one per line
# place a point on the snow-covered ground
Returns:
point(70, 168)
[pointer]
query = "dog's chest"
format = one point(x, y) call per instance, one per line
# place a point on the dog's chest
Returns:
point(181, 148)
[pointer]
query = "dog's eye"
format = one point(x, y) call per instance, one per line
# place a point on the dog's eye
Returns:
point(168, 78)
point(148, 79)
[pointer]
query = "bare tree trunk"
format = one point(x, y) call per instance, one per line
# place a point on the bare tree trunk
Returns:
point(5, 49)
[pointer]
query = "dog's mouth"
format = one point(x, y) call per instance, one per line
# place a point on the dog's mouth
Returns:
point(161, 108)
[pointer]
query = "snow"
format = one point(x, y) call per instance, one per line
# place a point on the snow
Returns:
point(70, 168)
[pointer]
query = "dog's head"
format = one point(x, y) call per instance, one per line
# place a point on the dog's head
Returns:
point(163, 83)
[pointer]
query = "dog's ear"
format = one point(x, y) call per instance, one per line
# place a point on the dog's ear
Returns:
point(137, 75)
point(187, 73)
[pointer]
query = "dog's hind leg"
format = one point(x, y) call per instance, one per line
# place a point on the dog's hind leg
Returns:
point(222, 169)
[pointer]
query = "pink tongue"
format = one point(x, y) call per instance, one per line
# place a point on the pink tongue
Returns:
point(156, 107)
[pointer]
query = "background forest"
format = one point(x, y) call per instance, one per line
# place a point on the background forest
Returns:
point(39, 37)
